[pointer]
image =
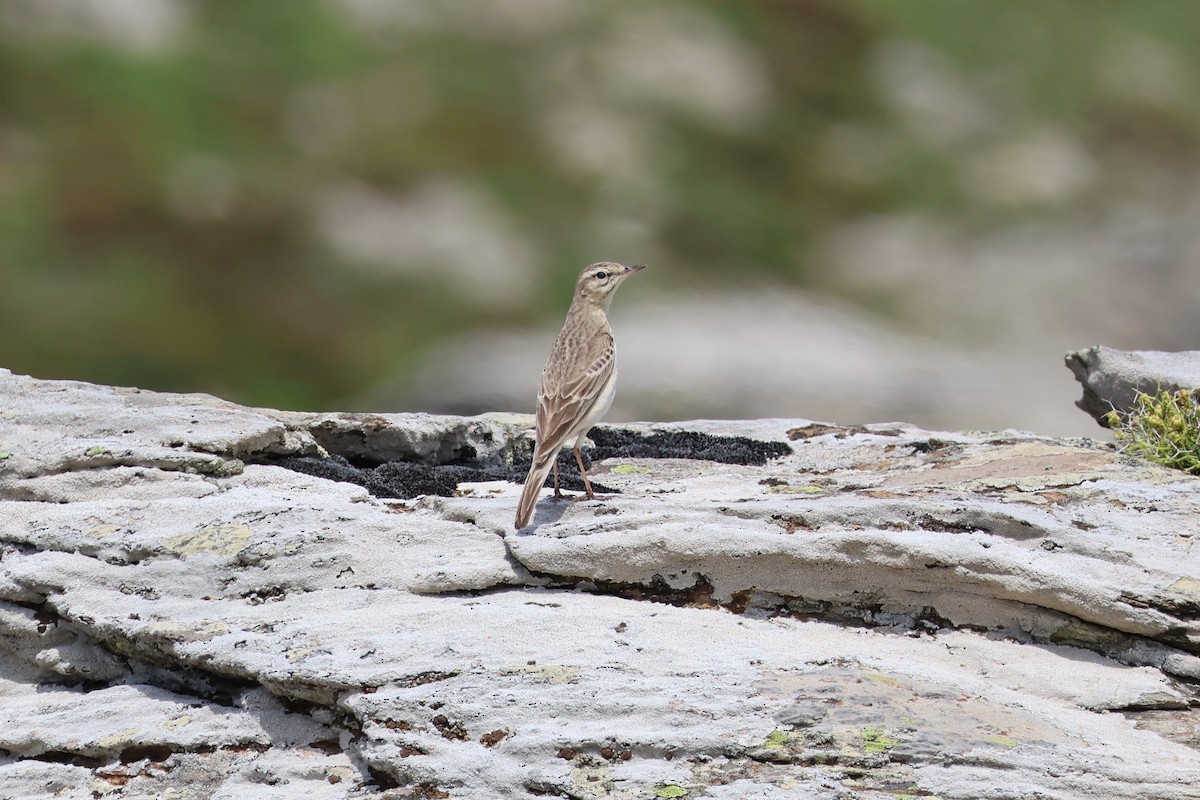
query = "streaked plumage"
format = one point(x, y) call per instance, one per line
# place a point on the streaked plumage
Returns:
point(578, 382)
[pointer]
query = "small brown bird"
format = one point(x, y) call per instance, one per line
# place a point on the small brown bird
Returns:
point(578, 382)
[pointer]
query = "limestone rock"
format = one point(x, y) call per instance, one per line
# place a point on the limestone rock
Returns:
point(878, 610)
point(1112, 378)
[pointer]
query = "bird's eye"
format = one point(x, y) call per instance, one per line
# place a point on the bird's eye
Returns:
point(602, 275)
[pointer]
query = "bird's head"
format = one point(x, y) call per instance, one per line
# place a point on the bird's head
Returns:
point(598, 282)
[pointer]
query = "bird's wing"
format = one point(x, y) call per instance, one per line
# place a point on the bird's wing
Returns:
point(568, 394)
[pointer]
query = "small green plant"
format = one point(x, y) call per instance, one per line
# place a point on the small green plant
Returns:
point(1163, 428)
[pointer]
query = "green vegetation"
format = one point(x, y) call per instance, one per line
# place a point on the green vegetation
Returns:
point(778, 739)
point(874, 740)
point(1163, 428)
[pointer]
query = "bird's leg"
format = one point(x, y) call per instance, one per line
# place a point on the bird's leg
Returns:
point(588, 484)
point(557, 493)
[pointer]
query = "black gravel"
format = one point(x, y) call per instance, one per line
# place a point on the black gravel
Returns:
point(621, 443)
point(405, 480)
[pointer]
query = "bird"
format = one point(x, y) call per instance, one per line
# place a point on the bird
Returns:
point(579, 380)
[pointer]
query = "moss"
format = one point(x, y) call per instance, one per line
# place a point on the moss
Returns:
point(874, 740)
point(96, 450)
point(670, 790)
point(630, 469)
point(777, 740)
point(1163, 428)
point(4, 456)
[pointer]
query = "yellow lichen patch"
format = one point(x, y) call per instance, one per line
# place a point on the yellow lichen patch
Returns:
point(592, 780)
point(1187, 588)
point(177, 722)
point(1080, 632)
point(103, 531)
point(806, 489)
point(630, 469)
point(879, 677)
point(119, 738)
point(551, 673)
point(180, 633)
point(224, 539)
point(297, 654)
point(1003, 741)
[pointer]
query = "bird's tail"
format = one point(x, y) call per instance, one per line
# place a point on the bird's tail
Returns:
point(533, 487)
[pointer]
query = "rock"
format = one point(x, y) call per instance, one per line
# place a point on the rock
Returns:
point(875, 610)
point(1112, 378)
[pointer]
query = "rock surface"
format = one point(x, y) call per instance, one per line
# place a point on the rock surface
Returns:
point(885, 612)
point(1112, 378)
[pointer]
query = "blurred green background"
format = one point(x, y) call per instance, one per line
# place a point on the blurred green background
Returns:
point(289, 203)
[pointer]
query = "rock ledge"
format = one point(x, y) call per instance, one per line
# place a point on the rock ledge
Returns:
point(883, 611)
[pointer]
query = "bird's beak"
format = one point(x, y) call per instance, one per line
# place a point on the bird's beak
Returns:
point(634, 268)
